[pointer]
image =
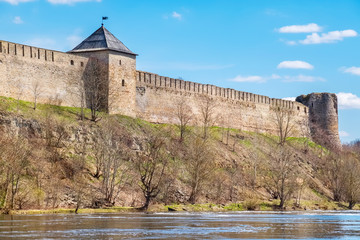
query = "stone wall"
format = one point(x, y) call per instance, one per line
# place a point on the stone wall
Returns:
point(157, 99)
point(23, 67)
point(323, 118)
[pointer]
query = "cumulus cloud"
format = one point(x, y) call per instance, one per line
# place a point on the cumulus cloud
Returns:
point(290, 98)
point(348, 101)
point(18, 20)
point(352, 70)
point(295, 65)
point(330, 37)
point(16, 2)
point(302, 78)
point(343, 134)
point(257, 79)
point(311, 27)
point(253, 79)
point(176, 15)
point(70, 2)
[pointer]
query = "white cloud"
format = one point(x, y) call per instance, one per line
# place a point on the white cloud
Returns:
point(16, 2)
point(330, 37)
point(254, 78)
point(290, 98)
point(295, 65)
point(343, 134)
point(176, 15)
point(70, 2)
point(352, 70)
point(257, 79)
point(311, 27)
point(302, 78)
point(18, 20)
point(348, 101)
point(47, 43)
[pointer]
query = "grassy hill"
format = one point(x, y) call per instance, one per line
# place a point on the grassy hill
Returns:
point(50, 159)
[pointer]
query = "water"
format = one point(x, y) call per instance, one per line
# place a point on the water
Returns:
point(246, 225)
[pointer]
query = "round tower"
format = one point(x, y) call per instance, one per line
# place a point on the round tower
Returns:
point(323, 118)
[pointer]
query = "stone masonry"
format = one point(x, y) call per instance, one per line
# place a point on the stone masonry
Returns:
point(149, 96)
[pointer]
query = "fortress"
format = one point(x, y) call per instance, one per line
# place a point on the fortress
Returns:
point(27, 72)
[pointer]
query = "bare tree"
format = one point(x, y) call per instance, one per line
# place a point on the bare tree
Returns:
point(284, 123)
point(199, 164)
point(96, 87)
point(350, 179)
point(151, 166)
point(110, 164)
point(331, 168)
point(14, 162)
point(280, 174)
point(36, 90)
point(208, 115)
point(183, 115)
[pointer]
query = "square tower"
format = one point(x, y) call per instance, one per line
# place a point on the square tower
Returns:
point(116, 65)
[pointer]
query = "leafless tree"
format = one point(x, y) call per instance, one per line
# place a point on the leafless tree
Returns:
point(284, 123)
point(96, 86)
point(14, 162)
point(280, 174)
point(184, 116)
point(151, 166)
point(199, 164)
point(331, 168)
point(110, 161)
point(350, 179)
point(36, 90)
point(208, 114)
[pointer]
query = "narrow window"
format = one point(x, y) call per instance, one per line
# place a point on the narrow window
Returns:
point(52, 56)
point(312, 104)
point(119, 62)
point(305, 109)
point(31, 52)
point(298, 108)
point(72, 62)
point(15, 49)
point(23, 50)
point(123, 83)
point(82, 64)
point(45, 55)
point(38, 53)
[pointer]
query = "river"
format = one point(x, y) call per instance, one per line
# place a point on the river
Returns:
point(184, 225)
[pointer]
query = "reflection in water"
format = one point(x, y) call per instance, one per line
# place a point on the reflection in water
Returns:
point(250, 225)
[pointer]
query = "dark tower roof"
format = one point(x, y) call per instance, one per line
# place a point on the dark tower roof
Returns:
point(101, 39)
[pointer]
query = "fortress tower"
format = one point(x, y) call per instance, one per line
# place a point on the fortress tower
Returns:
point(120, 69)
point(323, 117)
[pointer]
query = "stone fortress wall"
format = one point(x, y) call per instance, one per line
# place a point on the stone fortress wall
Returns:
point(147, 95)
point(23, 67)
point(158, 97)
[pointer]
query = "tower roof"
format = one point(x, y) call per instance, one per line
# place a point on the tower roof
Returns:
point(102, 39)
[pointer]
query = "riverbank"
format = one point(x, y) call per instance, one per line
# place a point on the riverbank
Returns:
point(250, 205)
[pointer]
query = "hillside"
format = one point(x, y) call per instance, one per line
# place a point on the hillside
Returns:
point(49, 158)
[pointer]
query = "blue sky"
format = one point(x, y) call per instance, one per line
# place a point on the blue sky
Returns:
point(280, 49)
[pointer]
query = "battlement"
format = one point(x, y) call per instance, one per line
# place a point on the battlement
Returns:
point(154, 80)
point(41, 54)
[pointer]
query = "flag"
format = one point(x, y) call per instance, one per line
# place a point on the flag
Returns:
point(104, 18)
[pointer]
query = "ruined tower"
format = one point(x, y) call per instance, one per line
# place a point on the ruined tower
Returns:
point(120, 73)
point(323, 117)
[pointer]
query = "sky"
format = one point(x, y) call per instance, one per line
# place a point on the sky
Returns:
point(280, 49)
